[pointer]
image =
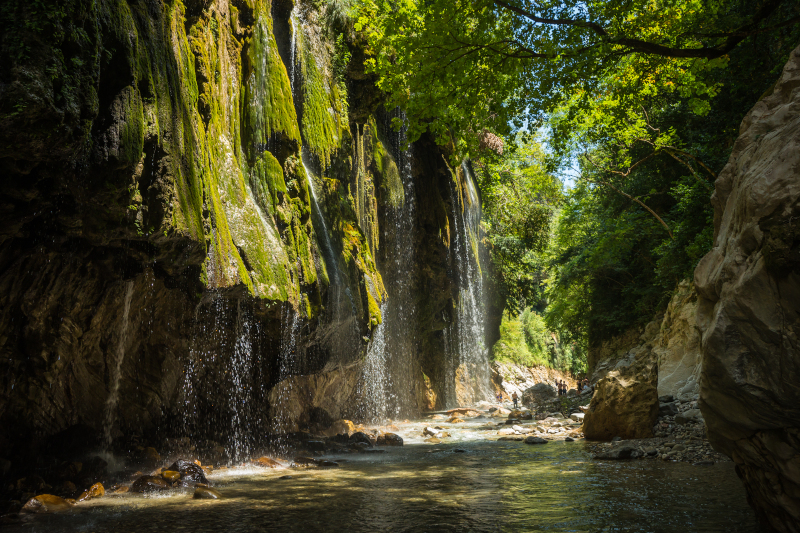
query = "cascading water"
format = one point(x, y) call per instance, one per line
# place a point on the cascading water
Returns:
point(388, 370)
point(113, 393)
point(465, 339)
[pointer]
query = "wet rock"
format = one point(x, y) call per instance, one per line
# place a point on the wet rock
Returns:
point(46, 503)
point(535, 440)
point(650, 451)
point(620, 452)
point(328, 464)
point(305, 461)
point(433, 440)
point(205, 493)
point(150, 484)
point(569, 439)
point(189, 471)
point(171, 475)
point(95, 491)
point(286, 477)
point(506, 431)
point(390, 439)
point(121, 490)
point(518, 439)
point(360, 436)
point(430, 431)
point(456, 421)
point(267, 462)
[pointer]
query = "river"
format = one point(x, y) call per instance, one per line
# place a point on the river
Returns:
point(471, 482)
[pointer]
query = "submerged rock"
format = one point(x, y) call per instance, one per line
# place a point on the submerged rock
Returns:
point(535, 440)
point(620, 452)
point(205, 493)
point(46, 503)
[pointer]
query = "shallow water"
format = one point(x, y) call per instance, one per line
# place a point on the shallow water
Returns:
point(489, 486)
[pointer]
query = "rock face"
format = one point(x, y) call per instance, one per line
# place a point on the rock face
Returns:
point(187, 226)
point(625, 401)
point(677, 347)
point(508, 378)
point(749, 307)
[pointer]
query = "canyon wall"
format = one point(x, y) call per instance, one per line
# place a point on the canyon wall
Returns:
point(749, 306)
point(199, 203)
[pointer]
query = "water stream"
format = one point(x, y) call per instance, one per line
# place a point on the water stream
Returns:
point(470, 484)
point(116, 376)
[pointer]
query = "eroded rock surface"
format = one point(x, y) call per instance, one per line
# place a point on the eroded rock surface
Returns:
point(749, 308)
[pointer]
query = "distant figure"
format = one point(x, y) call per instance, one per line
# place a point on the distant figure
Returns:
point(499, 397)
point(560, 387)
point(514, 397)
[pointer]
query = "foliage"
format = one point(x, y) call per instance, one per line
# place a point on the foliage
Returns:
point(519, 199)
point(459, 66)
point(525, 340)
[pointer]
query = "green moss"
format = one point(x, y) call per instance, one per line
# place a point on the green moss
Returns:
point(269, 107)
point(387, 175)
point(266, 181)
point(321, 123)
point(132, 131)
point(374, 310)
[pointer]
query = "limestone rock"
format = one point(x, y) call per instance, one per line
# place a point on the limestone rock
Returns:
point(749, 288)
point(95, 491)
point(189, 471)
point(625, 402)
point(677, 346)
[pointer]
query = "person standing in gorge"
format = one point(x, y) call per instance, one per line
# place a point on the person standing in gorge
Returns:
point(514, 397)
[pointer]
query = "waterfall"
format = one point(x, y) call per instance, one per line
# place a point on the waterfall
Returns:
point(388, 372)
point(467, 352)
point(242, 389)
point(113, 393)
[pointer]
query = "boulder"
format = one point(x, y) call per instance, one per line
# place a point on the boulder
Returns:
point(360, 436)
point(46, 503)
point(171, 475)
point(390, 439)
point(506, 431)
point(692, 415)
point(189, 471)
point(625, 402)
point(541, 392)
point(150, 484)
point(577, 417)
point(667, 409)
point(749, 303)
point(677, 346)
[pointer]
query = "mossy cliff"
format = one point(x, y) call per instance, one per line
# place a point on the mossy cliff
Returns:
point(158, 155)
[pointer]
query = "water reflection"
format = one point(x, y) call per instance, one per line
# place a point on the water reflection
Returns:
point(485, 486)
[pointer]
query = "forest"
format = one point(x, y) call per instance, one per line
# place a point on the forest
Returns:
point(596, 131)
